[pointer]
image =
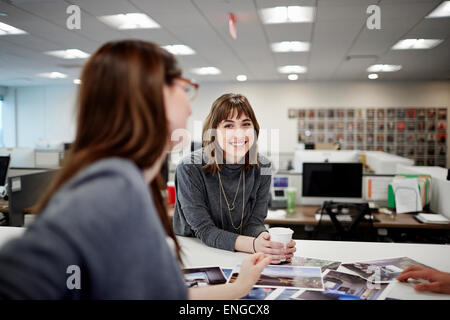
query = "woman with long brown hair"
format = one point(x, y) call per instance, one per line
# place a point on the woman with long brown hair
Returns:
point(223, 189)
point(103, 219)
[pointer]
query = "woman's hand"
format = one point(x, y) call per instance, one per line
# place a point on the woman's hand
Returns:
point(275, 250)
point(250, 271)
point(438, 281)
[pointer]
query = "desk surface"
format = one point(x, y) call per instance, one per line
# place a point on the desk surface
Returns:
point(197, 254)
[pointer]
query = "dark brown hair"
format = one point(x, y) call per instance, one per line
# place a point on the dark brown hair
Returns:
point(121, 114)
point(222, 108)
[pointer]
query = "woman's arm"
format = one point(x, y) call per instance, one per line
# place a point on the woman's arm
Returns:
point(249, 273)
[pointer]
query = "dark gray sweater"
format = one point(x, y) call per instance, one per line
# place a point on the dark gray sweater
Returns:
point(197, 208)
point(104, 221)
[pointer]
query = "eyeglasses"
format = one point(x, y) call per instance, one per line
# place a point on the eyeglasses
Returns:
point(190, 87)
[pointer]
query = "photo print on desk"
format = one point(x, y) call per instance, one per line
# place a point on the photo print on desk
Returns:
point(344, 286)
point(286, 277)
point(383, 270)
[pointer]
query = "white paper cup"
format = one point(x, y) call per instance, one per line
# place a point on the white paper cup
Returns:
point(283, 235)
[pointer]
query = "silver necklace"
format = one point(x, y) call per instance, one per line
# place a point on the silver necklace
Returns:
point(235, 196)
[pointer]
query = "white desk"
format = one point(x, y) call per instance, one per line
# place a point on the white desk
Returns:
point(197, 254)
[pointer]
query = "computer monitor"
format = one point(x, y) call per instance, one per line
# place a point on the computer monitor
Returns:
point(339, 182)
point(20, 157)
point(4, 166)
point(302, 156)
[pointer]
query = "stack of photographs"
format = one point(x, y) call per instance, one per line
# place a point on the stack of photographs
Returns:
point(416, 133)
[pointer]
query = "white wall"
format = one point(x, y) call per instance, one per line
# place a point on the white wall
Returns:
point(47, 112)
point(41, 112)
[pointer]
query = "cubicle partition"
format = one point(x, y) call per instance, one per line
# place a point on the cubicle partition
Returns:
point(24, 191)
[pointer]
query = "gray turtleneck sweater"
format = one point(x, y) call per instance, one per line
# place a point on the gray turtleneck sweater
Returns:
point(201, 210)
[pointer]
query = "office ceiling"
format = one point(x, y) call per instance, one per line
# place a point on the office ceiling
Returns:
point(341, 45)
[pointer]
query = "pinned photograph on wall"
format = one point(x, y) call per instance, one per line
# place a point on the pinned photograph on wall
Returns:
point(380, 138)
point(421, 113)
point(311, 113)
point(350, 113)
point(431, 126)
point(322, 113)
point(301, 125)
point(431, 138)
point(441, 137)
point(340, 113)
point(344, 286)
point(410, 138)
point(370, 113)
point(400, 138)
point(380, 113)
point(411, 126)
point(380, 126)
point(401, 113)
point(292, 113)
point(421, 138)
point(383, 270)
point(390, 113)
point(442, 114)
point(361, 113)
point(330, 113)
point(331, 138)
point(350, 126)
point(286, 277)
point(400, 125)
point(391, 125)
point(330, 125)
point(301, 113)
point(321, 138)
point(340, 125)
point(442, 126)
point(390, 138)
point(321, 125)
point(202, 277)
point(370, 126)
point(360, 126)
point(431, 113)
point(420, 125)
point(313, 262)
point(411, 113)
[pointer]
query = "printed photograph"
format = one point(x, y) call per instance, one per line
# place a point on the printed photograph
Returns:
point(312, 262)
point(201, 277)
point(385, 270)
point(442, 114)
point(287, 277)
point(431, 113)
point(258, 294)
point(343, 286)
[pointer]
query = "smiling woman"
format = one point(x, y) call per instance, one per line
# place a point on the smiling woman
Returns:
point(223, 189)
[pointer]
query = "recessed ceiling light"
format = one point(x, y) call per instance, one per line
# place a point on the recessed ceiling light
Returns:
point(206, 71)
point(291, 14)
point(372, 76)
point(69, 54)
point(290, 46)
point(76, 81)
point(241, 77)
point(384, 68)
point(129, 21)
point(293, 76)
point(179, 49)
point(6, 29)
point(292, 69)
point(442, 11)
point(416, 44)
point(52, 75)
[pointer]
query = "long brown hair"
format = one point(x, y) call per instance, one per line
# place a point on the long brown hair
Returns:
point(121, 113)
point(221, 109)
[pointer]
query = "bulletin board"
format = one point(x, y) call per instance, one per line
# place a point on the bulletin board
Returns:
point(416, 133)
